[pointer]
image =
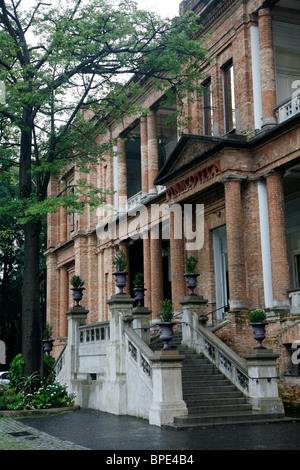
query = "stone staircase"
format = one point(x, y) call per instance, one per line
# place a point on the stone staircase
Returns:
point(210, 397)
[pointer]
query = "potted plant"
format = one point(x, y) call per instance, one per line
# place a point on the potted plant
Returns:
point(77, 289)
point(166, 324)
point(47, 341)
point(120, 262)
point(257, 321)
point(191, 273)
point(139, 290)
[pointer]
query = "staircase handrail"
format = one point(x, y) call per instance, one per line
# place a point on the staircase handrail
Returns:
point(139, 343)
point(58, 361)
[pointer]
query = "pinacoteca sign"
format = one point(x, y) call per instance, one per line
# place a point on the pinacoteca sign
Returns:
point(190, 182)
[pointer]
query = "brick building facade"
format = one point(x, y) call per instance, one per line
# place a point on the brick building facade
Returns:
point(238, 160)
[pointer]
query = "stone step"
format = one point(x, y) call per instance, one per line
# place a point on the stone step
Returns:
point(194, 421)
point(195, 396)
point(226, 408)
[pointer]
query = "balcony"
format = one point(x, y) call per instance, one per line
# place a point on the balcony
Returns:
point(135, 200)
point(288, 108)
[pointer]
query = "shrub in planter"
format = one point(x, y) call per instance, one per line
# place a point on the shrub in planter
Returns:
point(257, 321)
point(257, 316)
point(77, 289)
point(166, 325)
point(120, 262)
point(191, 273)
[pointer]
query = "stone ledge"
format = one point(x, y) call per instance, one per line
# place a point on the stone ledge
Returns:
point(35, 412)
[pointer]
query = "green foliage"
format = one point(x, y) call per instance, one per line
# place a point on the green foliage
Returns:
point(48, 369)
point(76, 281)
point(166, 312)
point(120, 260)
point(27, 392)
point(47, 334)
point(190, 264)
point(139, 280)
point(29, 382)
point(52, 395)
point(15, 372)
point(257, 316)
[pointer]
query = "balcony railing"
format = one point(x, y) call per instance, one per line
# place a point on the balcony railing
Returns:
point(294, 295)
point(288, 108)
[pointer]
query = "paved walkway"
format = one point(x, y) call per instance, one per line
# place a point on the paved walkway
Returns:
point(17, 435)
point(94, 430)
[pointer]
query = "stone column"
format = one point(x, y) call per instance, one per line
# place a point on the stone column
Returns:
point(122, 175)
point(235, 242)
point(167, 399)
point(263, 385)
point(157, 291)
point(177, 266)
point(278, 241)
point(147, 270)
point(144, 155)
point(267, 68)
point(152, 151)
point(120, 307)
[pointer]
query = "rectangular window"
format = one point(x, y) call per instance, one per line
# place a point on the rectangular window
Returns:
point(297, 270)
point(207, 109)
point(229, 101)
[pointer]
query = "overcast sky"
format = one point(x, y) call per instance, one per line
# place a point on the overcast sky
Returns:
point(167, 8)
point(163, 7)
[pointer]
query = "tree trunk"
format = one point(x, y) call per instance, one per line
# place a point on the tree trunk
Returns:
point(31, 316)
point(32, 350)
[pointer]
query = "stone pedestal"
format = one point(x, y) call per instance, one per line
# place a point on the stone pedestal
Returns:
point(193, 315)
point(120, 313)
point(76, 317)
point(263, 384)
point(167, 399)
point(141, 323)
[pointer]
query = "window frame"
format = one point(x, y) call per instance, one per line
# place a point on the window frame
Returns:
point(207, 108)
point(229, 97)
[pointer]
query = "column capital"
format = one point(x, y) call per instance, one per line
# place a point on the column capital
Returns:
point(274, 172)
point(232, 177)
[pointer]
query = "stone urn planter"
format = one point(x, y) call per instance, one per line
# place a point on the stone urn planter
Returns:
point(77, 289)
point(47, 341)
point(120, 262)
point(120, 280)
point(258, 323)
point(190, 273)
point(166, 325)
point(191, 281)
point(139, 289)
point(166, 333)
point(47, 346)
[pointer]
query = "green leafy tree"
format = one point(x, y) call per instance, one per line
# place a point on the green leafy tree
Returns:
point(59, 65)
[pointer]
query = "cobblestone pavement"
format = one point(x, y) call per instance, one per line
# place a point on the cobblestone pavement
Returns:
point(15, 435)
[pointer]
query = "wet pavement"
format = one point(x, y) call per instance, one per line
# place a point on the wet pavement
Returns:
point(88, 429)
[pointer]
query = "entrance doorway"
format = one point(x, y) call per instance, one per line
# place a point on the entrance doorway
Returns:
point(219, 239)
